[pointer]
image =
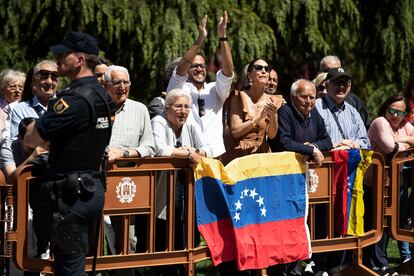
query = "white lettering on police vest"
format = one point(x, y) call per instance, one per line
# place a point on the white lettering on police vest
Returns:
point(102, 123)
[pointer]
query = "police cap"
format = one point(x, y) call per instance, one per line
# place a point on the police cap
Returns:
point(77, 42)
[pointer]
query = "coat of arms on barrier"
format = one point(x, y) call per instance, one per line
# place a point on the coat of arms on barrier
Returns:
point(125, 190)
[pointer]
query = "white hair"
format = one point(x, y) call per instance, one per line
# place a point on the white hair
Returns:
point(112, 68)
point(36, 69)
point(295, 86)
point(9, 75)
point(176, 93)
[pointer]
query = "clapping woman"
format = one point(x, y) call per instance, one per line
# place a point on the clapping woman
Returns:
point(252, 114)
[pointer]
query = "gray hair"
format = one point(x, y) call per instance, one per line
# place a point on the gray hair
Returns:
point(9, 75)
point(112, 68)
point(36, 69)
point(176, 93)
point(329, 59)
point(295, 86)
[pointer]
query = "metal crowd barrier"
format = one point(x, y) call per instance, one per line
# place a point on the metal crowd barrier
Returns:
point(132, 194)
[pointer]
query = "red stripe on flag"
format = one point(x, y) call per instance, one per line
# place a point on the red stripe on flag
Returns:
point(219, 236)
point(340, 191)
point(279, 242)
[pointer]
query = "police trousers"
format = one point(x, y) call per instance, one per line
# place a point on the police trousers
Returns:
point(73, 227)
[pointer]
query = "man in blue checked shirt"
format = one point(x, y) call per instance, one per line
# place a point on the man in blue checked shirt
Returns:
point(343, 122)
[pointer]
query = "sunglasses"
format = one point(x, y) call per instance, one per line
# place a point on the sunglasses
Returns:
point(259, 67)
point(201, 110)
point(98, 75)
point(393, 111)
point(45, 74)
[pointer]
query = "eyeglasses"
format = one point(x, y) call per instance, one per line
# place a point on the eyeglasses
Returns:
point(99, 75)
point(15, 87)
point(181, 106)
point(259, 67)
point(196, 65)
point(45, 74)
point(342, 82)
point(116, 83)
point(393, 111)
point(201, 110)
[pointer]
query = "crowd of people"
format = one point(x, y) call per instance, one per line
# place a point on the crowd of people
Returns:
point(196, 119)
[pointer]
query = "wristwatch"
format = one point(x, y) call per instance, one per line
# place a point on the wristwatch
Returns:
point(126, 153)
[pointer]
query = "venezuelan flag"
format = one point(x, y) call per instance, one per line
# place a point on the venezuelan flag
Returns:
point(348, 192)
point(254, 210)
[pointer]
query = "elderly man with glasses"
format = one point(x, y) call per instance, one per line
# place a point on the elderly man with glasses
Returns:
point(343, 122)
point(207, 98)
point(131, 137)
point(347, 131)
point(45, 81)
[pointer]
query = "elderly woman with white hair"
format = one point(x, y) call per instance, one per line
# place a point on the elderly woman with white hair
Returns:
point(173, 136)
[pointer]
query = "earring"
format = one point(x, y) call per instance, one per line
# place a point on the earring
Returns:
point(250, 82)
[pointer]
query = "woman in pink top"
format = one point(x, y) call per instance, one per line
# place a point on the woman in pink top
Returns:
point(391, 133)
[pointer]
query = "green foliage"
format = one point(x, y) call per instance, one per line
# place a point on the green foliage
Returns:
point(374, 39)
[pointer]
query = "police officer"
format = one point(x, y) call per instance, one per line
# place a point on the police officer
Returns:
point(78, 125)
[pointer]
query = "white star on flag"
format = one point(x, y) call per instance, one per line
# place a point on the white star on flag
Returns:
point(238, 205)
point(253, 193)
point(263, 211)
point(260, 201)
point(246, 192)
point(241, 195)
point(236, 217)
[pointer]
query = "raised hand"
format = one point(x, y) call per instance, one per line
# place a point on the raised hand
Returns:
point(222, 25)
point(202, 31)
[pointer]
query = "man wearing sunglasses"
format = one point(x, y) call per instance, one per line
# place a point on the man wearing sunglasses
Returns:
point(45, 80)
point(207, 98)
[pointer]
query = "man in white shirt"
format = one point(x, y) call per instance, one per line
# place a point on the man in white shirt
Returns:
point(131, 137)
point(207, 98)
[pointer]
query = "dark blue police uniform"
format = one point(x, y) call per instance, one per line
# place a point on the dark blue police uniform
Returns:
point(78, 125)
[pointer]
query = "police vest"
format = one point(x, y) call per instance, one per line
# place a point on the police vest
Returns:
point(83, 150)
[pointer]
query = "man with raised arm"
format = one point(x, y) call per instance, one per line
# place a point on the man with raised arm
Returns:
point(207, 98)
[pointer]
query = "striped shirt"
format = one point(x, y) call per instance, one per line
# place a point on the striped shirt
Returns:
point(349, 119)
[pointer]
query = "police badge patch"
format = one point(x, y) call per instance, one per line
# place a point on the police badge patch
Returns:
point(60, 106)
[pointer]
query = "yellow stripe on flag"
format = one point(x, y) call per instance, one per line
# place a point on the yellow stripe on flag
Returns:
point(356, 217)
point(255, 165)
